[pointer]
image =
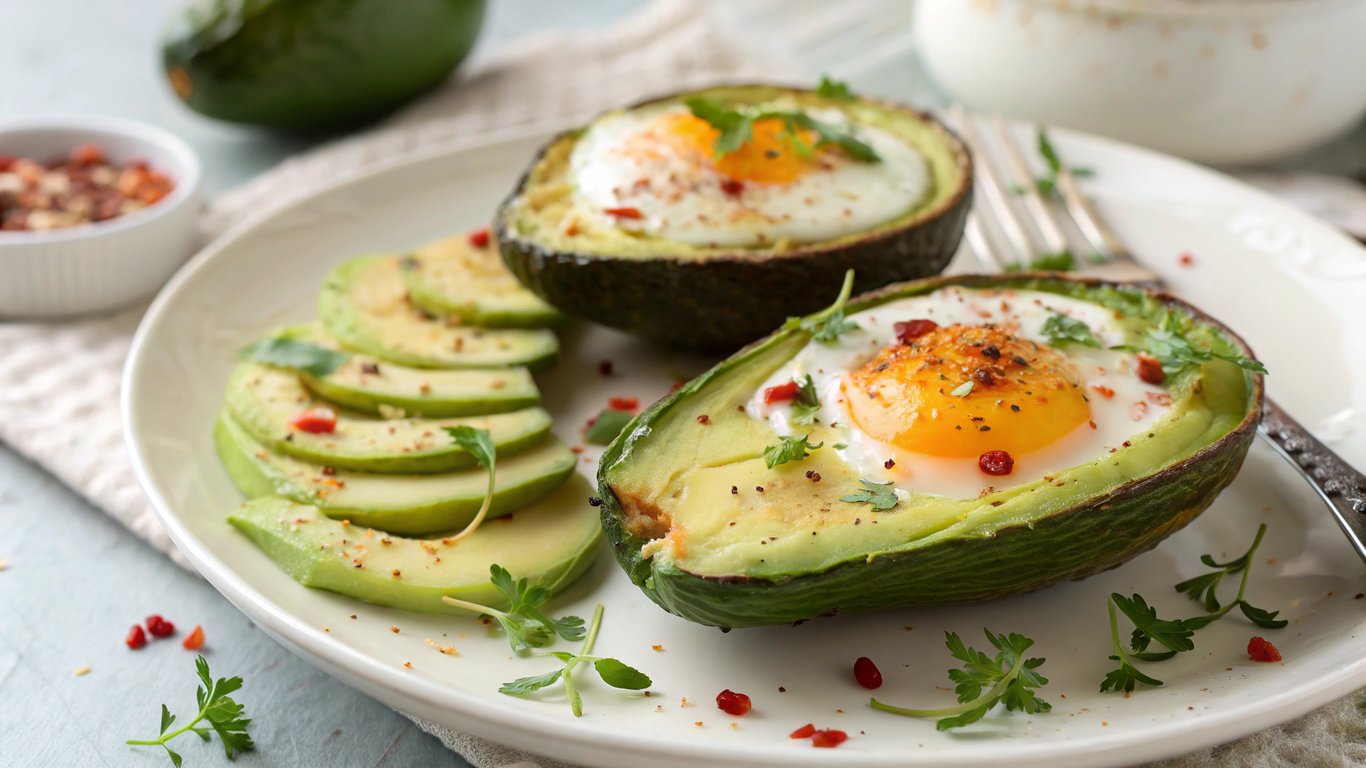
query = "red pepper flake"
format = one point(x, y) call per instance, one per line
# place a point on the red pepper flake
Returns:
point(625, 213)
point(479, 238)
point(623, 403)
point(1139, 410)
point(733, 187)
point(781, 393)
point(159, 627)
point(1150, 370)
point(828, 739)
point(704, 419)
point(867, 674)
point(87, 154)
point(315, 421)
point(889, 463)
point(136, 637)
point(1103, 391)
point(803, 732)
point(605, 368)
point(913, 329)
point(996, 463)
point(733, 703)
point(1186, 259)
point(1260, 649)
point(195, 640)
point(1163, 399)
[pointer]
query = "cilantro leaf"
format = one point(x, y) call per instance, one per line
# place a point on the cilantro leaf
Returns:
point(478, 444)
point(1148, 627)
point(1126, 678)
point(619, 675)
point(525, 685)
point(735, 126)
point(832, 89)
point(608, 424)
point(224, 716)
point(881, 495)
point(1261, 618)
point(296, 355)
point(524, 624)
point(1061, 328)
point(613, 672)
point(807, 404)
point(1168, 343)
point(789, 448)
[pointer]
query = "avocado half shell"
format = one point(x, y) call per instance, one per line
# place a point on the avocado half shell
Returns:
point(1102, 531)
point(728, 297)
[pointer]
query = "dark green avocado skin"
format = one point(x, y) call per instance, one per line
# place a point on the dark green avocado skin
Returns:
point(728, 300)
point(314, 65)
point(1085, 540)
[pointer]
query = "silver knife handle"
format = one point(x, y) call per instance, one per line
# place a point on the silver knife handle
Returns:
point(1342, 488)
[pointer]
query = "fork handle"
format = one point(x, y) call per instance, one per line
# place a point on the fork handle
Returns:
point(1340, 486)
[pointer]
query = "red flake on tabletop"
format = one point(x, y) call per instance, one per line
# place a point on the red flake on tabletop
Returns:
point(867, 674)
point(136, 637)
point(195, 640)
point(1261, 649)
point(803, 732)
point(1186, 259)
point(159, 627)
point(732, 703)
point(828, 738)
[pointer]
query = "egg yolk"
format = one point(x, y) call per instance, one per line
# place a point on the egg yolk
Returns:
point(1023, 395)
point(769, 156)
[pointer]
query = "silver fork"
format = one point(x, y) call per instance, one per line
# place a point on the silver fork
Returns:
point(1004, 189)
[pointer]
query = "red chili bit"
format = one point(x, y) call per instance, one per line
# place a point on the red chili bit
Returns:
point(1186, 259)
point(781, 393)
point(623, 403)
point(867, 674)
point(732, 187)
point(828, 739)
point(195, 640)
point(1150, 370)
point(733, 703)
point(136, 637)
point(87, 154)
point(625, 213)
point(803, 732)
point(315, 421)
point(996, 463)
point(1259, 649)
point(159, 627)
point(704, 419)
point(1103, 391)
point(479, 238)
point(913, 329)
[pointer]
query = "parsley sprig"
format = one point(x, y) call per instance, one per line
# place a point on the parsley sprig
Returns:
point(808, 402)
point(479, 445)
point(1060, 328)
point(1168, 343)
point(1174, 635)
point(789, 448)
point(882, 496)
point(736, 126)
point(832, 89)
point(296, 355)
point(827, 325)
point(224, 717)
point(984, 681)
point(612, 671)
point(523, 622)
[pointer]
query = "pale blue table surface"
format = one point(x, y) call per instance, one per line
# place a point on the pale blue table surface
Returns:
point(76, 580)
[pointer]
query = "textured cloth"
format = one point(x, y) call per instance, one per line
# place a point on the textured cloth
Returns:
point(59, 382)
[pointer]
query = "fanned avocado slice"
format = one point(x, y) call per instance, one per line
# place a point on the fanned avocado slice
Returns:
point(263, 399)
point(683, 509)
point(551, 542)
point(421, 505)
point(366, 383)
point(454, 277)
point(365, 306)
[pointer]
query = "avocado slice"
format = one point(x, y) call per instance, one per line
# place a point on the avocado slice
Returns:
point(720, 297)
point(262, 400)
point(686, 521)
point(365, 306)
point(551, 542)
point(453, 277)
point(420, 505)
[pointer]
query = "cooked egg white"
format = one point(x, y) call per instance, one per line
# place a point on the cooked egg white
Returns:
point(655, 172)
point(906, 413)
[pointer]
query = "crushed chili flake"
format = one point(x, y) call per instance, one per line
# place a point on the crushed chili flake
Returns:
point(1103, 391)
point(889, 463)
point(1186, 259)
point(803, 732)
point(733, 703)
point(159, 627)
point(315, 421)
point(828, 739)
point(83, 188)
point(136, 637)
point(623, 403)
point(195, 640)
point(867, 674)
point(781, 392)
point(625, 213)
point(996, 463)
point(1150, 370)
point(732, 187)
point(910, 330)
point(1260, 649)
point(704, 420)
point(479, 238)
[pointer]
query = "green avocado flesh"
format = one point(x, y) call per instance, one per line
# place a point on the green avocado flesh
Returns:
point(421, 505)
point(453, 277)
point(551, 542)
point(364, 305)
point(263, 399)
point(796, 551)
point(719, 297)
point(366, 383)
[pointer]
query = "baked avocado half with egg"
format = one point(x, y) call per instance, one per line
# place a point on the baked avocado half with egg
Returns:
point(947, 440)
point(703, 219)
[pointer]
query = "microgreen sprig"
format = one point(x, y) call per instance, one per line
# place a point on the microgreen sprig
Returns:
point(985, 681)
point(736, 126)
point(1167, 342)
point(224, 717)
point(827, 325)
point(523, 622)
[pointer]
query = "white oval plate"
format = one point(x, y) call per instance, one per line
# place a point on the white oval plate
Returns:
point(1292, 286)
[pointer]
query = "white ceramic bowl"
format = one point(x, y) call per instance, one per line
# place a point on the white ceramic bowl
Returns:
point(108, 264)
point(1217, 81)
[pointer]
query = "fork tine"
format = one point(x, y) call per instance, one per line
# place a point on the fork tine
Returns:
point(997, 206)
point(1100, 236)
point(979, 247)
point(1054, 239)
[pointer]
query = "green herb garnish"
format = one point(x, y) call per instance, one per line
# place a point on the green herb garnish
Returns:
point(523, 622)
point(608, 424)
point(612, 672)
point(736, 126)
point(1060, 328)
point(1060, 261)
point(296, 355)
point(478, 444)
point(835, 90)
point(807, 404)
point(827, 325)
point(962, 390)
point(789, 448)
point(983, 682)
point(224, 717)
point(1048, 183)
point(881, 495)
point(1168, 343)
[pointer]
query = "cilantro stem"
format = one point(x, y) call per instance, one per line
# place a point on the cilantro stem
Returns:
point(576, 701)
point(165, 737)
point(473, 607)
point(1114, 633)
point(592, 631)
point(1242, 583)
point(991, 695)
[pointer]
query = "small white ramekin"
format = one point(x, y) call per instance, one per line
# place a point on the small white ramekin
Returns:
point(108, 264)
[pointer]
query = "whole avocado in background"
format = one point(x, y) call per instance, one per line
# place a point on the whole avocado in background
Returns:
point(312, 65)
